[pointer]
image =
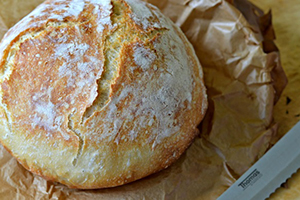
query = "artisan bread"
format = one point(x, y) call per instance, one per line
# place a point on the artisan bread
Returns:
point(98, 93)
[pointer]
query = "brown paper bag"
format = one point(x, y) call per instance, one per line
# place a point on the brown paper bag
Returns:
point(242, 73)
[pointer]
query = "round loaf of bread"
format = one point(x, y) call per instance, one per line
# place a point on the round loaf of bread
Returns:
point(98, 93)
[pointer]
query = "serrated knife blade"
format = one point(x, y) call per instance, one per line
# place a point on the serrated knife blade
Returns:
point(270, 171)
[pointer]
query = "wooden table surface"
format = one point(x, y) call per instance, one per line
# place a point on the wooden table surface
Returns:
point(286, 21)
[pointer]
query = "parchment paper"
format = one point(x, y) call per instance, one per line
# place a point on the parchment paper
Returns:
point(286, 23)
point(243, 82)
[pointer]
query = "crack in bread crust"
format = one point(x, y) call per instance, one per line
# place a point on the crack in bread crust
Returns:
point(112, 50)
point(108, 90)
point(80, 138)
point(7, 68)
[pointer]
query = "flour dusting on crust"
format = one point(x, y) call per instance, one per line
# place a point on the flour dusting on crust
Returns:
point(59, 11)
point(103, 11)
point(143, 57)
point(142, 15)
point(98, 93)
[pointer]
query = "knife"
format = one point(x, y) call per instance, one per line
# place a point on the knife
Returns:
point(270, 171)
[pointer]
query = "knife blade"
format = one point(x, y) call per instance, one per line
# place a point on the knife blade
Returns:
point(270, 171)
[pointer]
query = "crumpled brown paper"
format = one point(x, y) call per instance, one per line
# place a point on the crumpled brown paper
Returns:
point(244, 80)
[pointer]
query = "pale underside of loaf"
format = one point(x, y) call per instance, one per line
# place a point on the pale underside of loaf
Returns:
point(96, 94)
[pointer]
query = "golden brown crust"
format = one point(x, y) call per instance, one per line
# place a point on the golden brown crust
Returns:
point(96, 94)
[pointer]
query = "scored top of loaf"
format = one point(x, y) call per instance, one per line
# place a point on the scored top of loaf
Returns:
point(98, 93)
